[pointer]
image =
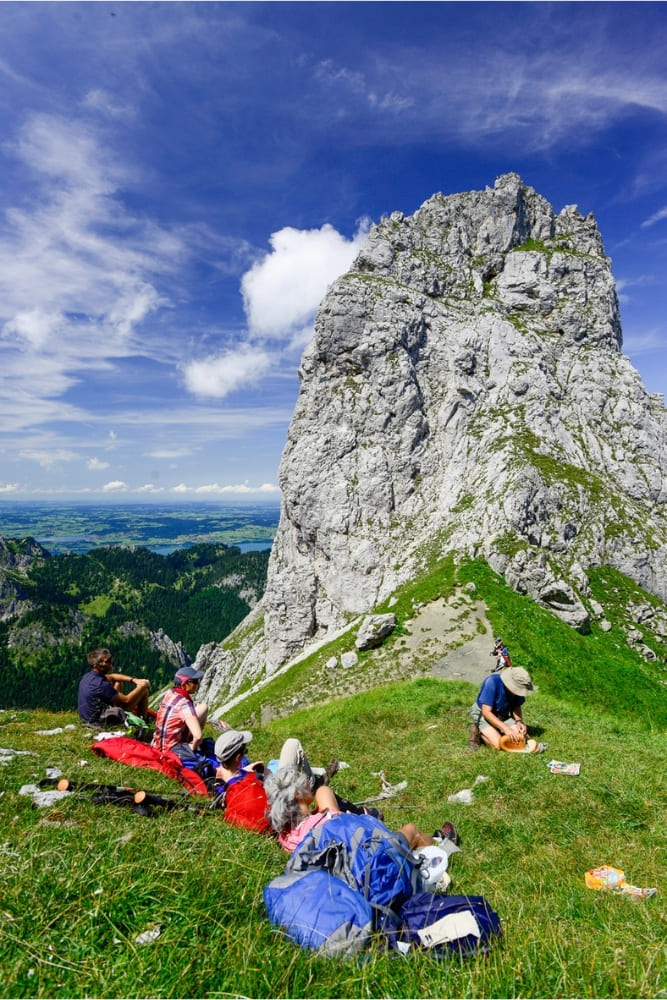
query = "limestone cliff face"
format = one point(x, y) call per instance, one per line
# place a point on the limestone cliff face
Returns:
point(465, 390)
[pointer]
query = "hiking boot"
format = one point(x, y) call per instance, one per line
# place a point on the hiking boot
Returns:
point(376, 813)
point(474, 736)
point(447, 832)
point(332, 768)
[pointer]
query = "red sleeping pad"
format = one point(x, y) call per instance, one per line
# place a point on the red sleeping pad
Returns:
point(128, 751)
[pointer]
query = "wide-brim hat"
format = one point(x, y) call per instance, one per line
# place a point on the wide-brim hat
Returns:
point(230, 742)
point(517, 680)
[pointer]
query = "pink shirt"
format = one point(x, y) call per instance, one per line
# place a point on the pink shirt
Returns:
point(290, 840)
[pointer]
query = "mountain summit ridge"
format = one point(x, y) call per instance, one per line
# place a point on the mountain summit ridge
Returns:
point(464, 391)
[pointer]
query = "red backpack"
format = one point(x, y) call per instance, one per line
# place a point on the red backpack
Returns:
point(246, 803)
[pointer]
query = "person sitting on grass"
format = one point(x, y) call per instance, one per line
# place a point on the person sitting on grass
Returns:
point(497, 715)
point(101, 701)
point(295, 809)
point(179, 723)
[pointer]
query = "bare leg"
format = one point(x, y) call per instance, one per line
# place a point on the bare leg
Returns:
point(326, 800)
point(137, 700)
point(415, 837)
point(491, 737)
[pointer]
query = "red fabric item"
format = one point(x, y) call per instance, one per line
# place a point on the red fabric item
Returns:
point(128, 751)
point(246, 804)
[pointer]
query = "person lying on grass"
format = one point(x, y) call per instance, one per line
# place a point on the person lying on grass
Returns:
point(101, 701)
point(497, 715)
point(231, 751)
point(240, 782)
point(295, 809)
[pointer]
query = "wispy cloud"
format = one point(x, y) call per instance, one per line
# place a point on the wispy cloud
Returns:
point(644, 342)
point(48, 458)
point(77, 270)
point(656, 217)
point(95, 464)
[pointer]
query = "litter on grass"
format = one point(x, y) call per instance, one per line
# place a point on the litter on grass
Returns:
point(148, 936)
point(606, 877)
point(465, 796)
point(54, 732)
point(7, 754)
point(41, 798)
point(559, 767)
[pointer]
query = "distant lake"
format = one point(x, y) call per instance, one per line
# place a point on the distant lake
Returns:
point(162, 528)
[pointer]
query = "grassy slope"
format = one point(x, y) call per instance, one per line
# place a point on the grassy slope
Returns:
point(79, 882)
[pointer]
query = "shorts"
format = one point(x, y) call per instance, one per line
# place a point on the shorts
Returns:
point(480, 721)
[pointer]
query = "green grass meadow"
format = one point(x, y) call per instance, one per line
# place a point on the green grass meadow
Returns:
point(79, 882)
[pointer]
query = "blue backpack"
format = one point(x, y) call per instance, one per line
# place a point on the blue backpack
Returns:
point(361, 851)
point(318, 911)
point(464, 925)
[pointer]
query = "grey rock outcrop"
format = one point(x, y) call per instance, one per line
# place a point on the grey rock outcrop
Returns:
point(465, 391)
point(373, 630)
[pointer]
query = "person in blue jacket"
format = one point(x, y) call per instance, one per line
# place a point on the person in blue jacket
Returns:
point(498, 711)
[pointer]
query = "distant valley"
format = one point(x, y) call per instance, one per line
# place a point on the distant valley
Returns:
point(78, 528)
point(152, 583)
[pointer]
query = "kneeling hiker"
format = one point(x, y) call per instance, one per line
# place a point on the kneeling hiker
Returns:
point(101, 701)
point(497, 716)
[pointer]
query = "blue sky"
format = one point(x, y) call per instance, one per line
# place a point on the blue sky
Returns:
point(179, 183)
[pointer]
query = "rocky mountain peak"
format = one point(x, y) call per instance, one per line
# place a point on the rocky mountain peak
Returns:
point(465, 391)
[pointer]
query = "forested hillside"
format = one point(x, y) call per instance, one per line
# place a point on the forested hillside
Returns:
point(153, 611)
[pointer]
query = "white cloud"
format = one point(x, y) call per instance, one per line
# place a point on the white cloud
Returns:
point(115, 486)
point(96, 463)
point(214, 489)
point(8, 487)
point(656, 217)
point(218, 376)
point(149, 488)
point(282, 291)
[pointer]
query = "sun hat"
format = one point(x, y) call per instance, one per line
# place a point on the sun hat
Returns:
point(433, 861)
point(188, 674)
point(230, 742)
point(517, 680)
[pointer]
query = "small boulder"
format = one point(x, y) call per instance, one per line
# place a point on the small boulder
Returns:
point(374, 629)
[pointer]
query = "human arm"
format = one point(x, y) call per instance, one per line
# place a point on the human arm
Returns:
point(520, 724)
point(513, 732)
point(127, 700)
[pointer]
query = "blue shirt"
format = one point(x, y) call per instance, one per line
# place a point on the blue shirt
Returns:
point(501, 701)
point(95, 694)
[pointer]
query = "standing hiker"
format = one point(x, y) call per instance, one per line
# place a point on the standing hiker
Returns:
point(501, 654)
point(101, 701)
